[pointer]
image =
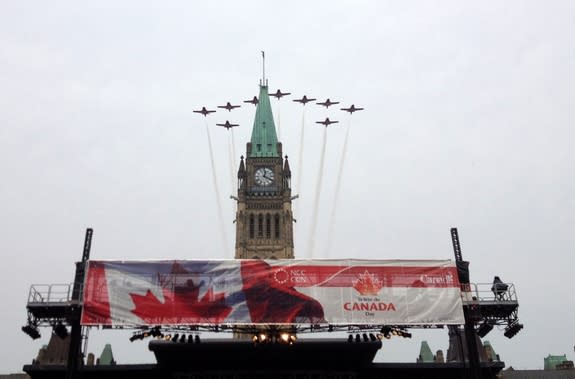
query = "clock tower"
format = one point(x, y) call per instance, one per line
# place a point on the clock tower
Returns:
point(264, 219)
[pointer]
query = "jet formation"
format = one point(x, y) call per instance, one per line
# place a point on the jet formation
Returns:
point(279, 94)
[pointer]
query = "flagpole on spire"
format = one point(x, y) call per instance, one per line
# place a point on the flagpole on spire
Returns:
point(264, 68)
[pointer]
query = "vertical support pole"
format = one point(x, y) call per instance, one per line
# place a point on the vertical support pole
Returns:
point(75, 342)
point(80, 266)
point(76, 310)
point(470, 335)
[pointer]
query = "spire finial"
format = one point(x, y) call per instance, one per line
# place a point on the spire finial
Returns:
point(263, 68)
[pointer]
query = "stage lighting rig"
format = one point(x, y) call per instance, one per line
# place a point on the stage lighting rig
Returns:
point(386, 331)
point(404, 334)
point(31, 330)
point(484, 329)
point(137, 336)
point(156, 332)
point(512, 329)
point(281, 337)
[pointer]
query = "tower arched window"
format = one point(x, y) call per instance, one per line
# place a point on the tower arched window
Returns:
point(277, 226)
point(252, 226)
point(268, 226)
point(260, 226)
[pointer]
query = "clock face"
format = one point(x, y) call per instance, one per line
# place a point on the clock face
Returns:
point(264, 176)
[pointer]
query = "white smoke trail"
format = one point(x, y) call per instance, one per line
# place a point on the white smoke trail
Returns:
point(337, 187)
point(300, 159)
point(312, 236)
point(299, 169)
point(216, 188)
point(235, 158)
point(231, 161)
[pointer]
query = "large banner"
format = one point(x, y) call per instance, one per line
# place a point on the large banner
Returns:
point(393, 292)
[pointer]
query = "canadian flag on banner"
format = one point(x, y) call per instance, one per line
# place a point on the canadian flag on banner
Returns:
point(190, 293)
point(264, 292)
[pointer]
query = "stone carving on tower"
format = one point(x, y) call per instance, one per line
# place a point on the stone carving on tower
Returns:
point(264, 218)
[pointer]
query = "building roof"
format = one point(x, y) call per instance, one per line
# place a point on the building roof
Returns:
point(537, 374)
point(489, 351)
point(425, 354)
point(551, 361)
point(107, 358)
point(264, 138)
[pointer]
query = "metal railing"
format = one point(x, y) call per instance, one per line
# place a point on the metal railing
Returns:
point(50, 293)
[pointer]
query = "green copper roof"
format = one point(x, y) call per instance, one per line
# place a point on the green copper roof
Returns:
point(107, 358)
point(551, 362)
point(264, 139)
point(425, 354)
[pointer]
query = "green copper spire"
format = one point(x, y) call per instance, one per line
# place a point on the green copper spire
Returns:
point(264, 138)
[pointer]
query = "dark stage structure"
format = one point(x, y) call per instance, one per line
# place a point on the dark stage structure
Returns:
point(224, 359)
point(186, 355)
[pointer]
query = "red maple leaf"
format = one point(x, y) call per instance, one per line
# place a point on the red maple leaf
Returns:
point(181, 306)
point(367, 284)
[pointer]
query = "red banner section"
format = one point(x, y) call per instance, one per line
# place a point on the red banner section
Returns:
point(394, 292)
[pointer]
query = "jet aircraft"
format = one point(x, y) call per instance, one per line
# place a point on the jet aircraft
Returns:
point(351, 109)
point(254, 101)
point(204, 111)
point(228, 106)
point(304, 100)
point(326, 122)
point(227, 125)
point(279, 94)
point(327, 103)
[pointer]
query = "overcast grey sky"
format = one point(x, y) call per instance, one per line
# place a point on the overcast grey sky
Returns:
point(468, 123)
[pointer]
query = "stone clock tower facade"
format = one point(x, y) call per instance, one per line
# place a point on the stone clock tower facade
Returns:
point(264, 218)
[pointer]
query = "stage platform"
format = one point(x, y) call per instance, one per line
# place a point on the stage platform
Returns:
point(317, 358)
